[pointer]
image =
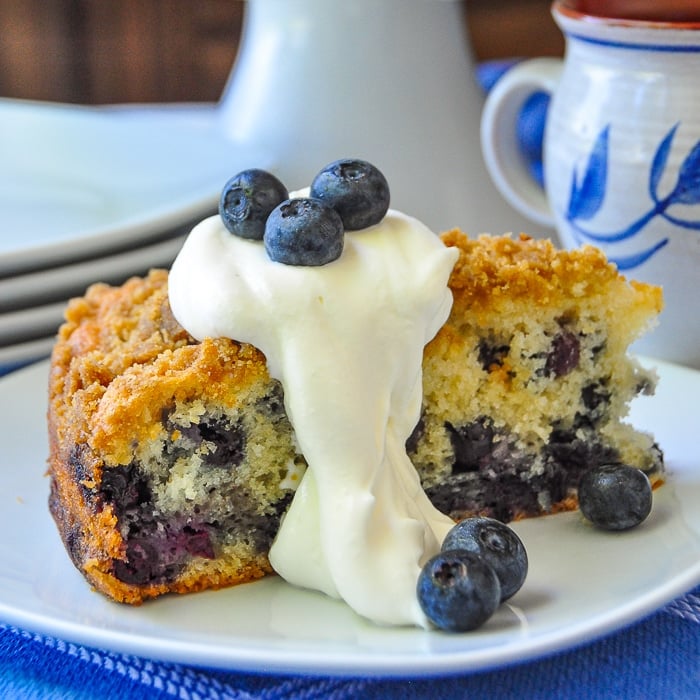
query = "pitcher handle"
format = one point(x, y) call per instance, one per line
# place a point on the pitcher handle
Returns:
point(499, 141)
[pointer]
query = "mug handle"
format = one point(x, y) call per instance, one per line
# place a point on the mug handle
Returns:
point(499, 141)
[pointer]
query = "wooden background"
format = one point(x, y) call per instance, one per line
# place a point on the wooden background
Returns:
point(112, 51)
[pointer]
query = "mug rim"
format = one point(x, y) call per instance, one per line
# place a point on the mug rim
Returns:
point(564, 9)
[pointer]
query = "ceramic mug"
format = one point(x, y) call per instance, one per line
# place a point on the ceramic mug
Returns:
point(621, 149)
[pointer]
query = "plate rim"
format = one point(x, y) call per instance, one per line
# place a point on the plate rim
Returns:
point(307, 662)
point(34, 289)
point(196, 119)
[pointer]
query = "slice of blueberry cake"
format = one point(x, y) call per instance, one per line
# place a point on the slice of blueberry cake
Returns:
point(172, 461)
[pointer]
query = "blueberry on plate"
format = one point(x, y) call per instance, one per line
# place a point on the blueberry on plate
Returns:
point(356, 189)
point(615, 496)
point(247, 200)
point(497, 545)
point(458, 591)
point(303, 232)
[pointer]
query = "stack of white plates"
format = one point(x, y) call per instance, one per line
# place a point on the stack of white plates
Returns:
point(96, 195)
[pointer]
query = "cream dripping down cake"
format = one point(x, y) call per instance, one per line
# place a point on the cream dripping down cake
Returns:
point(329, 421)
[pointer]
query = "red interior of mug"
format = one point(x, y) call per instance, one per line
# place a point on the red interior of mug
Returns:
point(656, 11)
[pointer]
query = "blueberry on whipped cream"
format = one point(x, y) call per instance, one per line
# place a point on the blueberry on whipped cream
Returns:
point(356, 189)
point(303, 231)
point(347, 194)
point(247, 200)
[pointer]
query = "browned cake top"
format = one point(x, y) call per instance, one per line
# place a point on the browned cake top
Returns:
point(495, 268)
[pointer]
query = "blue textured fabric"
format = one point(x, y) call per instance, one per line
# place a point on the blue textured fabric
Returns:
point(658, 657)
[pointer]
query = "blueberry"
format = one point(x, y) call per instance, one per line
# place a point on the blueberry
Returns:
point(458, 591)
point(247, 200)
point(160, 550)
point(615, 496)
point(303, 232)
point(355, 189)
point(497, 545)
point(564, 355)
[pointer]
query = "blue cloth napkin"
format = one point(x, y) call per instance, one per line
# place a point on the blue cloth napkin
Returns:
point(658, 657)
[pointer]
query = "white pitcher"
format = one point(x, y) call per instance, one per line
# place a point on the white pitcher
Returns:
point(389, 81)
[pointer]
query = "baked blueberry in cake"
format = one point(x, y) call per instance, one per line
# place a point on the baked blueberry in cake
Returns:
point(176, 455)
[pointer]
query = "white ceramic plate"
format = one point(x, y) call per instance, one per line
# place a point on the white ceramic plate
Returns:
point(29, 324)
point(582, 583)
point(23, 353)
point(24, 293)
point(77, 181)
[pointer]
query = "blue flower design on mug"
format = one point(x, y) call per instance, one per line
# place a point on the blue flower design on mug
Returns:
point(588, 193)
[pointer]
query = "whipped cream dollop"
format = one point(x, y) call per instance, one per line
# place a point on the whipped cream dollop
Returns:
point(346, 341)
